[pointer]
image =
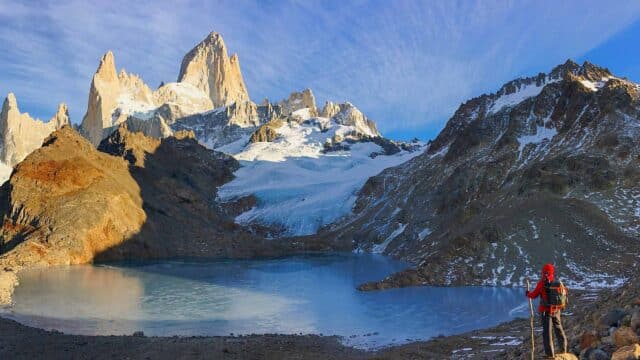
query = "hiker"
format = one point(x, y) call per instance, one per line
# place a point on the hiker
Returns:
point(550, 309)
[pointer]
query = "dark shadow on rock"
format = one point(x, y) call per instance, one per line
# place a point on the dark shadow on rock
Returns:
point(178, 180)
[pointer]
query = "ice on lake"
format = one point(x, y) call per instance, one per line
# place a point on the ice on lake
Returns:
point(303, 294)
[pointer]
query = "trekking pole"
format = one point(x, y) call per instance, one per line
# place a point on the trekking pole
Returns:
point(533, 343)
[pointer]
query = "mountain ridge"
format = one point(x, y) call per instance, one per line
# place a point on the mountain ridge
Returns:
point(476, 207)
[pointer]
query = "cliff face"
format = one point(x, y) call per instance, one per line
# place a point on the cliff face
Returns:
point(209, 68)
point(109, 90)
point(124, 98)
point(544, 170)
point(20, 134)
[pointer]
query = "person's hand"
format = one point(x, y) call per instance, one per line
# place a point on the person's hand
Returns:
point(526, 293)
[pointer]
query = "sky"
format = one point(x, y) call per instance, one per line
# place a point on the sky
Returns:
point(406, 64)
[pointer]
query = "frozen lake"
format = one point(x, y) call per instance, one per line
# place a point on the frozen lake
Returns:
point(302, 294)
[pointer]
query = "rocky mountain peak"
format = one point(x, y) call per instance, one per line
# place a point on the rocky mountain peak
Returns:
point(560, 71)
point(61, 118)
point(208, 67)
point(107, 68)
point(593, 72)
point(299, 101)
point(586, 71)
point(350, 115)
point(20, 134)
point(110, 90)
point(10, 102)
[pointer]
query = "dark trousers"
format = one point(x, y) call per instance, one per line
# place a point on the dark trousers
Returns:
point(552, 326)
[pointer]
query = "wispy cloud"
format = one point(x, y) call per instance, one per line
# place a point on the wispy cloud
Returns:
point(407, 64)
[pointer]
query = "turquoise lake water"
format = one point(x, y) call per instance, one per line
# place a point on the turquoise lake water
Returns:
point(303, 294)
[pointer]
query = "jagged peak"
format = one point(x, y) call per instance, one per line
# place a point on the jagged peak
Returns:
point(10, 101)
point(560, 71)
point(299, 100)
point(61, 115)
point(214, 38)
point(208, 67)
point(593, 72)
point(107, 67)
point(213, 41)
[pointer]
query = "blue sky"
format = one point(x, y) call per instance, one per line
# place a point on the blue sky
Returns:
point(406, 64)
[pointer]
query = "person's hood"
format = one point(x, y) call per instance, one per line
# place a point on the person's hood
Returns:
point(548, 272)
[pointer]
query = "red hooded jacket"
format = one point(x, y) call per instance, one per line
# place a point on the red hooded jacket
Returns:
point(547, 274)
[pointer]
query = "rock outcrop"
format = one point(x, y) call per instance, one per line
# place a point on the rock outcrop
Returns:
point(209, 68)
point(299, 101)
point(20, 134)
point(349, 115)
point(67, 202)
point(266, 132)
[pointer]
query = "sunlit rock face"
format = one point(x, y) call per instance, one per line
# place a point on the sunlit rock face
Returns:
point(118, 98)
point(301, 103)
point(111, 98)
point(20, 134)
point(209, 68)
point(349, 115)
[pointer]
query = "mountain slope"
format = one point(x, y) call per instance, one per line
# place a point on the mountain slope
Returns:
point(544, 170)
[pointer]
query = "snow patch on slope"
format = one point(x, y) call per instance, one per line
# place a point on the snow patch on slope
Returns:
point(380, 248)
point(541, 134)
point(515, 98)
point(127, 104)
point(300, 186)
point(595, 85)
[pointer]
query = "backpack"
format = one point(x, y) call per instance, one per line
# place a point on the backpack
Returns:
point(557, 295)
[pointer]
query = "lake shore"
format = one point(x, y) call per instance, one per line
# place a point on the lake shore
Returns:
point(23, 342)
point(509, 340)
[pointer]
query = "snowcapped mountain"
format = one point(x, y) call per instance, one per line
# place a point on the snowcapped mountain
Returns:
point(303, 172)
point(301, 166)
point(547, 169)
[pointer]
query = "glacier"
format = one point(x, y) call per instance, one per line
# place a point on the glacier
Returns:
point(299, 186)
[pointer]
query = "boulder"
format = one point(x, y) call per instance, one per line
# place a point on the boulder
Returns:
point(613, 317)
point(593, 354)
point(588, 339)
point(565, 356)
point(631, 352)
point(625, 336)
